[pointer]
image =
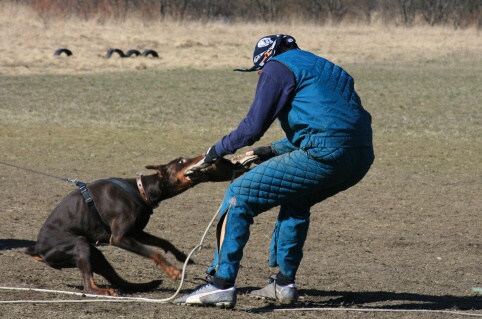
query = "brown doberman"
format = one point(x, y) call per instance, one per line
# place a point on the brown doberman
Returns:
point(120, 212)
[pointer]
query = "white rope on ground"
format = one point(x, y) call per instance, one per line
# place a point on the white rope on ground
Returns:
point(149, 300)
point(460, 313)
point(101, 298)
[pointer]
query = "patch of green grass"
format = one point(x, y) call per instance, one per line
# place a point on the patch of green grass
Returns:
point(117, 122)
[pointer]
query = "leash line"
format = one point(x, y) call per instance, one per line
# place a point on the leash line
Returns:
point(459, 313)
point(101, 298)
point(148, 300)
point(65, 179)
point(75, 182)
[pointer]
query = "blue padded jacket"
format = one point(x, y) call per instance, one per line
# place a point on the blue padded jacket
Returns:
point(326, 111)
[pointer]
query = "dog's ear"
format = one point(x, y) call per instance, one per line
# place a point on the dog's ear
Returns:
point(159, 168)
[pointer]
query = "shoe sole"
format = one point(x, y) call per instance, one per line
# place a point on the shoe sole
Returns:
point(225, 305)
point(220, 305)
point(272, 299)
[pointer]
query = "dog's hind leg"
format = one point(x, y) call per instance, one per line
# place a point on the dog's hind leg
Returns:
point(151, 240)
point(101, 266)
point(69, 251)
point(88, 259)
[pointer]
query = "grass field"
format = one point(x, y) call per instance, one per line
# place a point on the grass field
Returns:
point(407, 237)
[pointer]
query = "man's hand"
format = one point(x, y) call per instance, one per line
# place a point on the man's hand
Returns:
point(210, 157)
point(263, 152)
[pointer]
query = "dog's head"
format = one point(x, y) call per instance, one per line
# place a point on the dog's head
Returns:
point(173, 181)
point(172, 178)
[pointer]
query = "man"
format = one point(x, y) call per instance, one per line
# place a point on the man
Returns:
point(327, 149)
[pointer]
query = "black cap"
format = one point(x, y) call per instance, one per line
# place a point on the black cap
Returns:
point(266, 48)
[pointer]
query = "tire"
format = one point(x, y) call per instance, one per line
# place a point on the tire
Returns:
point(132, 52)
point(112, 51)
point(63, 50)
point(150, 52)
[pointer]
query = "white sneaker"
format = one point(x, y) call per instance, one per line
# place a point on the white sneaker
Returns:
point(287, 293)
point(209, 295)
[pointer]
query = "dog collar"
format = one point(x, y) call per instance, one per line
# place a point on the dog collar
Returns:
point(143, 193)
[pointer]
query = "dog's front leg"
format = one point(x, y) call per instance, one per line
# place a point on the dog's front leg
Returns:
point(132, 245)
point(167, 246)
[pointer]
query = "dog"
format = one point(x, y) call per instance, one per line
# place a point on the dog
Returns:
point(116, 211)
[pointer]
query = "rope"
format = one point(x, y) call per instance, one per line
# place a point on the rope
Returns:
point(460, 313)
point(111, 298)
point(148, 300)
point(65, 179)
point(101, 298)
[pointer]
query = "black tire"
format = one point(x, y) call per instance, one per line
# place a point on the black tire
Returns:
point(63, 50)
point(112, 51)
point(132, 52)
point(151, 53)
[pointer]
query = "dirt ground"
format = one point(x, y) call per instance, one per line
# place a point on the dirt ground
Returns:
point(404, 243)
point(409, 255)
point(396, 246)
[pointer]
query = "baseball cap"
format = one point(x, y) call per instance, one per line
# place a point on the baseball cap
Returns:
point(265, 49)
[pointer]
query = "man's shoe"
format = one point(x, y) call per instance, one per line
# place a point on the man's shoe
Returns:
point(288, 293)
point(209, 295)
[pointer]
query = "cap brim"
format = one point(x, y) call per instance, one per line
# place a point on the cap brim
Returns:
point(254, 68)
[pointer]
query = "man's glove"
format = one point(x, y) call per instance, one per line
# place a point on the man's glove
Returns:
point(210, 157)
point(229, 168)
point(264, 152)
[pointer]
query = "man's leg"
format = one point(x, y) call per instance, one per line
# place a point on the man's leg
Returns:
point(287, 241)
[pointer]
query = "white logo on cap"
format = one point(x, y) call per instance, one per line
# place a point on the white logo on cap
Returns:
point(256, 58)
point(264, 42)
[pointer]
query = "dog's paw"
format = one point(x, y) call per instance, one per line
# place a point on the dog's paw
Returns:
point(173, 273)
point(102, 291)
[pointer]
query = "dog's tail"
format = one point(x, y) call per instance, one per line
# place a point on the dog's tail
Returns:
point(32, 251)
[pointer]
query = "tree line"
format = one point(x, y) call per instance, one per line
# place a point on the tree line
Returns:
point(452, 13)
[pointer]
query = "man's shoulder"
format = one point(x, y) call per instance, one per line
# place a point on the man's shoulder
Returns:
point(277, 69)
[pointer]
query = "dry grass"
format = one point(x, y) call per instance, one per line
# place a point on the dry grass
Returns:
point(27, 43)
point(409, 236)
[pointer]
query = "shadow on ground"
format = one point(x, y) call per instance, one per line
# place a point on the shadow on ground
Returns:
point(376, 300)
point(6, 244)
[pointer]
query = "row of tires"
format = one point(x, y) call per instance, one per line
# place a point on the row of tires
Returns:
point(111, 52)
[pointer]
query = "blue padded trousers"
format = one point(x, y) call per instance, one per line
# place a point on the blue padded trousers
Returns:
point(295, 181)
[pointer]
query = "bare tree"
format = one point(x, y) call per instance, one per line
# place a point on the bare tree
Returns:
point(337, 9)
point(407, 10)
point(479, 14)
point(314, 9)
point(367, 7)
point(461, 13)
point(458, 9)
point(437, 11)
point(177, 9)
point(269, 9)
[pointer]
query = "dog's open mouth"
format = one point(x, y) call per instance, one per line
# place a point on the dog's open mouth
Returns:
point(195, 175)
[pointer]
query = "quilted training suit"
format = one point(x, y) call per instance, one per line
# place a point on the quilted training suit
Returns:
point(327, 149)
